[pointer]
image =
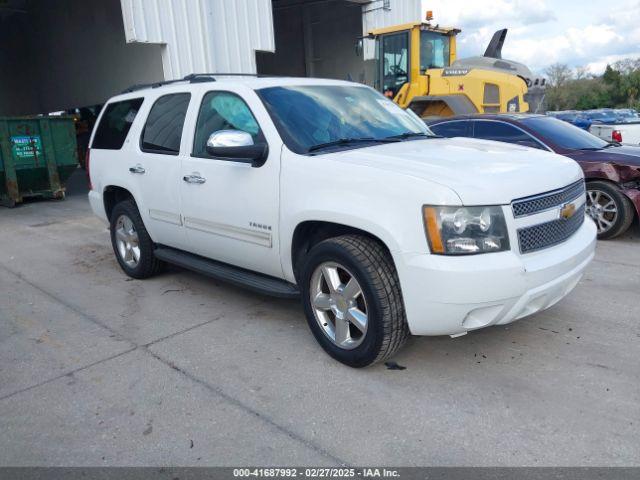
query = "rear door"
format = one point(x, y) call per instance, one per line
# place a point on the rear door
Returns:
point(156, 168)
point(229, 208)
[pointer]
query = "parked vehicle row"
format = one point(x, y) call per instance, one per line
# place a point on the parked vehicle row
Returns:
point(574, 117)
point(584, 118)
point(612, 125)
point(329, 191)
point(612, 170)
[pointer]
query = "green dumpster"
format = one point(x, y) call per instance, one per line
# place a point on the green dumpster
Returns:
point(37, 156)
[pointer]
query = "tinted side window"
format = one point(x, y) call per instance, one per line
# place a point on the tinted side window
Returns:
point(163, 130)
point(451, 129)
point(503, 132)
point(115, 124)
point(223, 111)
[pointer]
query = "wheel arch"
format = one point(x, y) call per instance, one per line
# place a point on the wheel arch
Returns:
point(631, 196)
point(442, 105)
point(308, 233)
point(112, 195)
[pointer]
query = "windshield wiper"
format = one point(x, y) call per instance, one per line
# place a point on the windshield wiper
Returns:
point(346, 141)
point(596, 149)
point(402, 136)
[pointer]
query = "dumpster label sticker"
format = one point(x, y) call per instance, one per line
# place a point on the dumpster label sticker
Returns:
point(26, 146)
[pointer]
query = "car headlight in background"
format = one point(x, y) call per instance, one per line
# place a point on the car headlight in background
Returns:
point(465, 230)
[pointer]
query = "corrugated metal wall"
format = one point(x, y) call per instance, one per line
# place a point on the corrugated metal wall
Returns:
point(223, 35)
point(202, 35)
point(375, 15)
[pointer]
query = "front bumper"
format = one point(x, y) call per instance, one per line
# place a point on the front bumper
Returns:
point(453, 295)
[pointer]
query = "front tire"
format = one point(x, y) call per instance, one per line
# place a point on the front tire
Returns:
point(609, 208)
point(131, 242)
point(352, 300)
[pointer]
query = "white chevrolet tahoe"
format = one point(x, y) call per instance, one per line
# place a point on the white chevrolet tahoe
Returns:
point(328, 191)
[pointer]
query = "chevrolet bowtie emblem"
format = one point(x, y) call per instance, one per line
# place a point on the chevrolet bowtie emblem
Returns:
point(567, 211)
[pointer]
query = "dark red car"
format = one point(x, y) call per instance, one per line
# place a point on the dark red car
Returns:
point(612, 171)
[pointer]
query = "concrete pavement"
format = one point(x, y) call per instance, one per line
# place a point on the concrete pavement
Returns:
point(99, 369)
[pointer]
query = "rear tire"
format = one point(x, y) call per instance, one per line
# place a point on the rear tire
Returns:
point(609, 208)
point(131, 242)
point(382, 330)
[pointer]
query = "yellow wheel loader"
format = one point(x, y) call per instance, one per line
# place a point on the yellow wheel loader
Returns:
point(416, 66)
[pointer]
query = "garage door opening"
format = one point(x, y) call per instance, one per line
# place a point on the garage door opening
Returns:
point(62, 54)
point(316, 38)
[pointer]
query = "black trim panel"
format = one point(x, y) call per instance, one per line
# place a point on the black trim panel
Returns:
point(241, 277)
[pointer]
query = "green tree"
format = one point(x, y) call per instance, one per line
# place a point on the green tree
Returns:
point(618, 86)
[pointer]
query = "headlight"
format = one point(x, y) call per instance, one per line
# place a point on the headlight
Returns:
point(465, 230)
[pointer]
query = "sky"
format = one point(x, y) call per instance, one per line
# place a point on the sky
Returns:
point(587, 33)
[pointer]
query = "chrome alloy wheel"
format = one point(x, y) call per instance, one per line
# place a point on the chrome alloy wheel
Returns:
point(127, 241)
point(602, 209)
point(339, 305)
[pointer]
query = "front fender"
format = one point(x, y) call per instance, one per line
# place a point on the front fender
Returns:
point(383, 204)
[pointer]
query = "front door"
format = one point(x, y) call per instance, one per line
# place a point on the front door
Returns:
point(229, 208)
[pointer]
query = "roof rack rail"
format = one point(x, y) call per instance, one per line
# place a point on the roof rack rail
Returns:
point(220, 74)
point(143, 86)
point(191, 78)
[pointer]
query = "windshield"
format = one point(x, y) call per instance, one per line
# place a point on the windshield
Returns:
point(309, 116)
point(434, 50)
point(564, 134)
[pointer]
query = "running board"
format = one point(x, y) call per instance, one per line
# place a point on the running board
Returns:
point(221, 271)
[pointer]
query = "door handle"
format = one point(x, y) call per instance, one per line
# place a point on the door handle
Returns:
point(194, 179)
point(137, 169)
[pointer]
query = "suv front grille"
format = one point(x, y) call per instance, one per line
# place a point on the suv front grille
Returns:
point(545, 201)
point(543, 235)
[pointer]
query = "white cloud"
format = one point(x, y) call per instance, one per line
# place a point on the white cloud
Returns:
point(575, 32)
point(599, 65)
point(478, 13)
point(576, 46)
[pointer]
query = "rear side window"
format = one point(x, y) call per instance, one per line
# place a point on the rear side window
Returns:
point(451, 129)
point(503, 132)
point(115, 124)
point(163, 130)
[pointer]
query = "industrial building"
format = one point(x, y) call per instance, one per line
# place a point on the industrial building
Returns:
point(63, 54)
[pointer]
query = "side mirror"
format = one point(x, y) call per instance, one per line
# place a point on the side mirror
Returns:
point(237, 146)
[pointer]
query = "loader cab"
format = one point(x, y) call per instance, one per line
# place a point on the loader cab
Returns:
point(405, 52)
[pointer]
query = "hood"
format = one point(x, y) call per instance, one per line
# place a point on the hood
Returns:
point(620, 164)
point(499, 65)
point(625, 155)
point(481, 172)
